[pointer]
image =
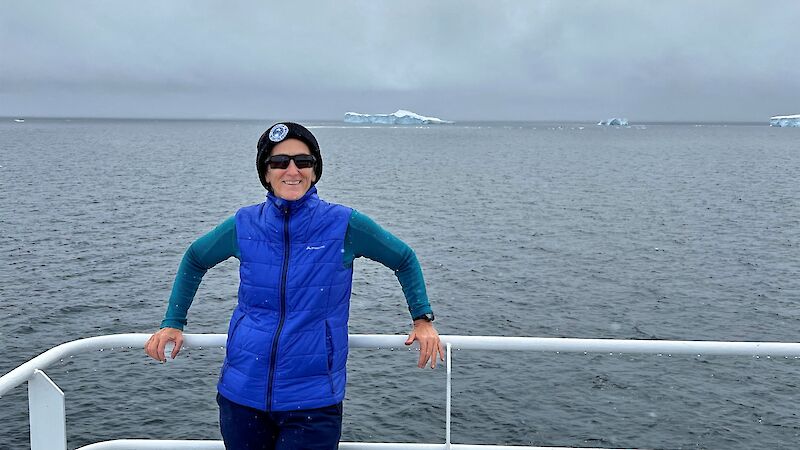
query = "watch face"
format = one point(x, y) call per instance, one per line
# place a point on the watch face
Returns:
point(428, 317)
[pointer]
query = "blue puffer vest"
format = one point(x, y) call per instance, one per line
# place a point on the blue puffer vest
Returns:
point(287, 339)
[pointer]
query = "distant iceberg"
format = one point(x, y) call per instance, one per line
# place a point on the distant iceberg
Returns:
point(785, 121)
point(399, 117)
point(614, 122)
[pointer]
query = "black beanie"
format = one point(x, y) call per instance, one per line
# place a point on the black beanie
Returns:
point(278, 133)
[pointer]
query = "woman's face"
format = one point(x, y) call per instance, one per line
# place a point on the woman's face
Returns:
point(290, 183)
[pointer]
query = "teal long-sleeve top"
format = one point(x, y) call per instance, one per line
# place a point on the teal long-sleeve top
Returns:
point(364, 238)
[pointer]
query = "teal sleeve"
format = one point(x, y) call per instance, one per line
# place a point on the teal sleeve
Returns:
point(366, 238)
point(206, 252)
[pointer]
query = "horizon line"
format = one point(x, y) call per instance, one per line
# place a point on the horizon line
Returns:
point(261, 119)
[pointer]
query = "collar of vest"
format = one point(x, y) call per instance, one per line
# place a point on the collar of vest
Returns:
point(293, 205)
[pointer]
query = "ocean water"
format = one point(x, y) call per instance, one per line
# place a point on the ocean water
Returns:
point(523, 229)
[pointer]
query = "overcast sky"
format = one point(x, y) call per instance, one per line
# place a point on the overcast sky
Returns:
point(720, 60)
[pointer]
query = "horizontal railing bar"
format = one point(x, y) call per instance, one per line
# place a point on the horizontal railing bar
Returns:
point(44, 360)
point(651, 346)
point(25, 371)
point(148, 444)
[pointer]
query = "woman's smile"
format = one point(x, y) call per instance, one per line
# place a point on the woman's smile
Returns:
point(290, 183)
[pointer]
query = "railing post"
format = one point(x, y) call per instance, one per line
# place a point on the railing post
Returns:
point(47, 414)
point(447, 403)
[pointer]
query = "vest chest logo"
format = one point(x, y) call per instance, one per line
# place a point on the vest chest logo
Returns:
point(315, 248)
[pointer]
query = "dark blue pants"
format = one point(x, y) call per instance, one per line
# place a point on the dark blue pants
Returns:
point(252, 429)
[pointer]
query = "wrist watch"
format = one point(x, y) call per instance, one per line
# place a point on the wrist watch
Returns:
point(426, 317)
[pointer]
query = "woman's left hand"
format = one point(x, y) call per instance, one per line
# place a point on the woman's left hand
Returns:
point(429, 343)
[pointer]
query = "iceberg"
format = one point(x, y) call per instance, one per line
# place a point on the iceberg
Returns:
point(614, 122)
point(785, 121)
point(399, 117)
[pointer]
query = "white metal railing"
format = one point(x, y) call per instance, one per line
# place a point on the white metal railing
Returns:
point(46, 400)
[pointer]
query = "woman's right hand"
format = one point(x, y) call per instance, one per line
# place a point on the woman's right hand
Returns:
point(154, 347)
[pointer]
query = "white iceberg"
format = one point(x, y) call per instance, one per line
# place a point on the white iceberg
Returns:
point(614, 122)
point(785, 121)
point(399, 117)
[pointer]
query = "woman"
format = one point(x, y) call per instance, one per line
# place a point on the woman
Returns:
point(282, 383)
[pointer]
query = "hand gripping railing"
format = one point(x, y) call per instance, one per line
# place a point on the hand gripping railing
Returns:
point(46, 400)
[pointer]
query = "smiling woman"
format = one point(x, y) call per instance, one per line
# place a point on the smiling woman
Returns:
point(289, 169)
point(280, 160)
point(288, 336)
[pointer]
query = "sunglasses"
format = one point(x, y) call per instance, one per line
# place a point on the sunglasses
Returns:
point(282, 161)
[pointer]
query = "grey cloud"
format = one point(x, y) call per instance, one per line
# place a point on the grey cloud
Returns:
point(462, 60)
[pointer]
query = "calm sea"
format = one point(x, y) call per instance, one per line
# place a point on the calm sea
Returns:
point(523, 229)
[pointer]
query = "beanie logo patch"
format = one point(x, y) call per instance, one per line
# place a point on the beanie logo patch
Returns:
point(278, 132)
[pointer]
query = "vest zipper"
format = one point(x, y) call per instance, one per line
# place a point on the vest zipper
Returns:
point(284, 271)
